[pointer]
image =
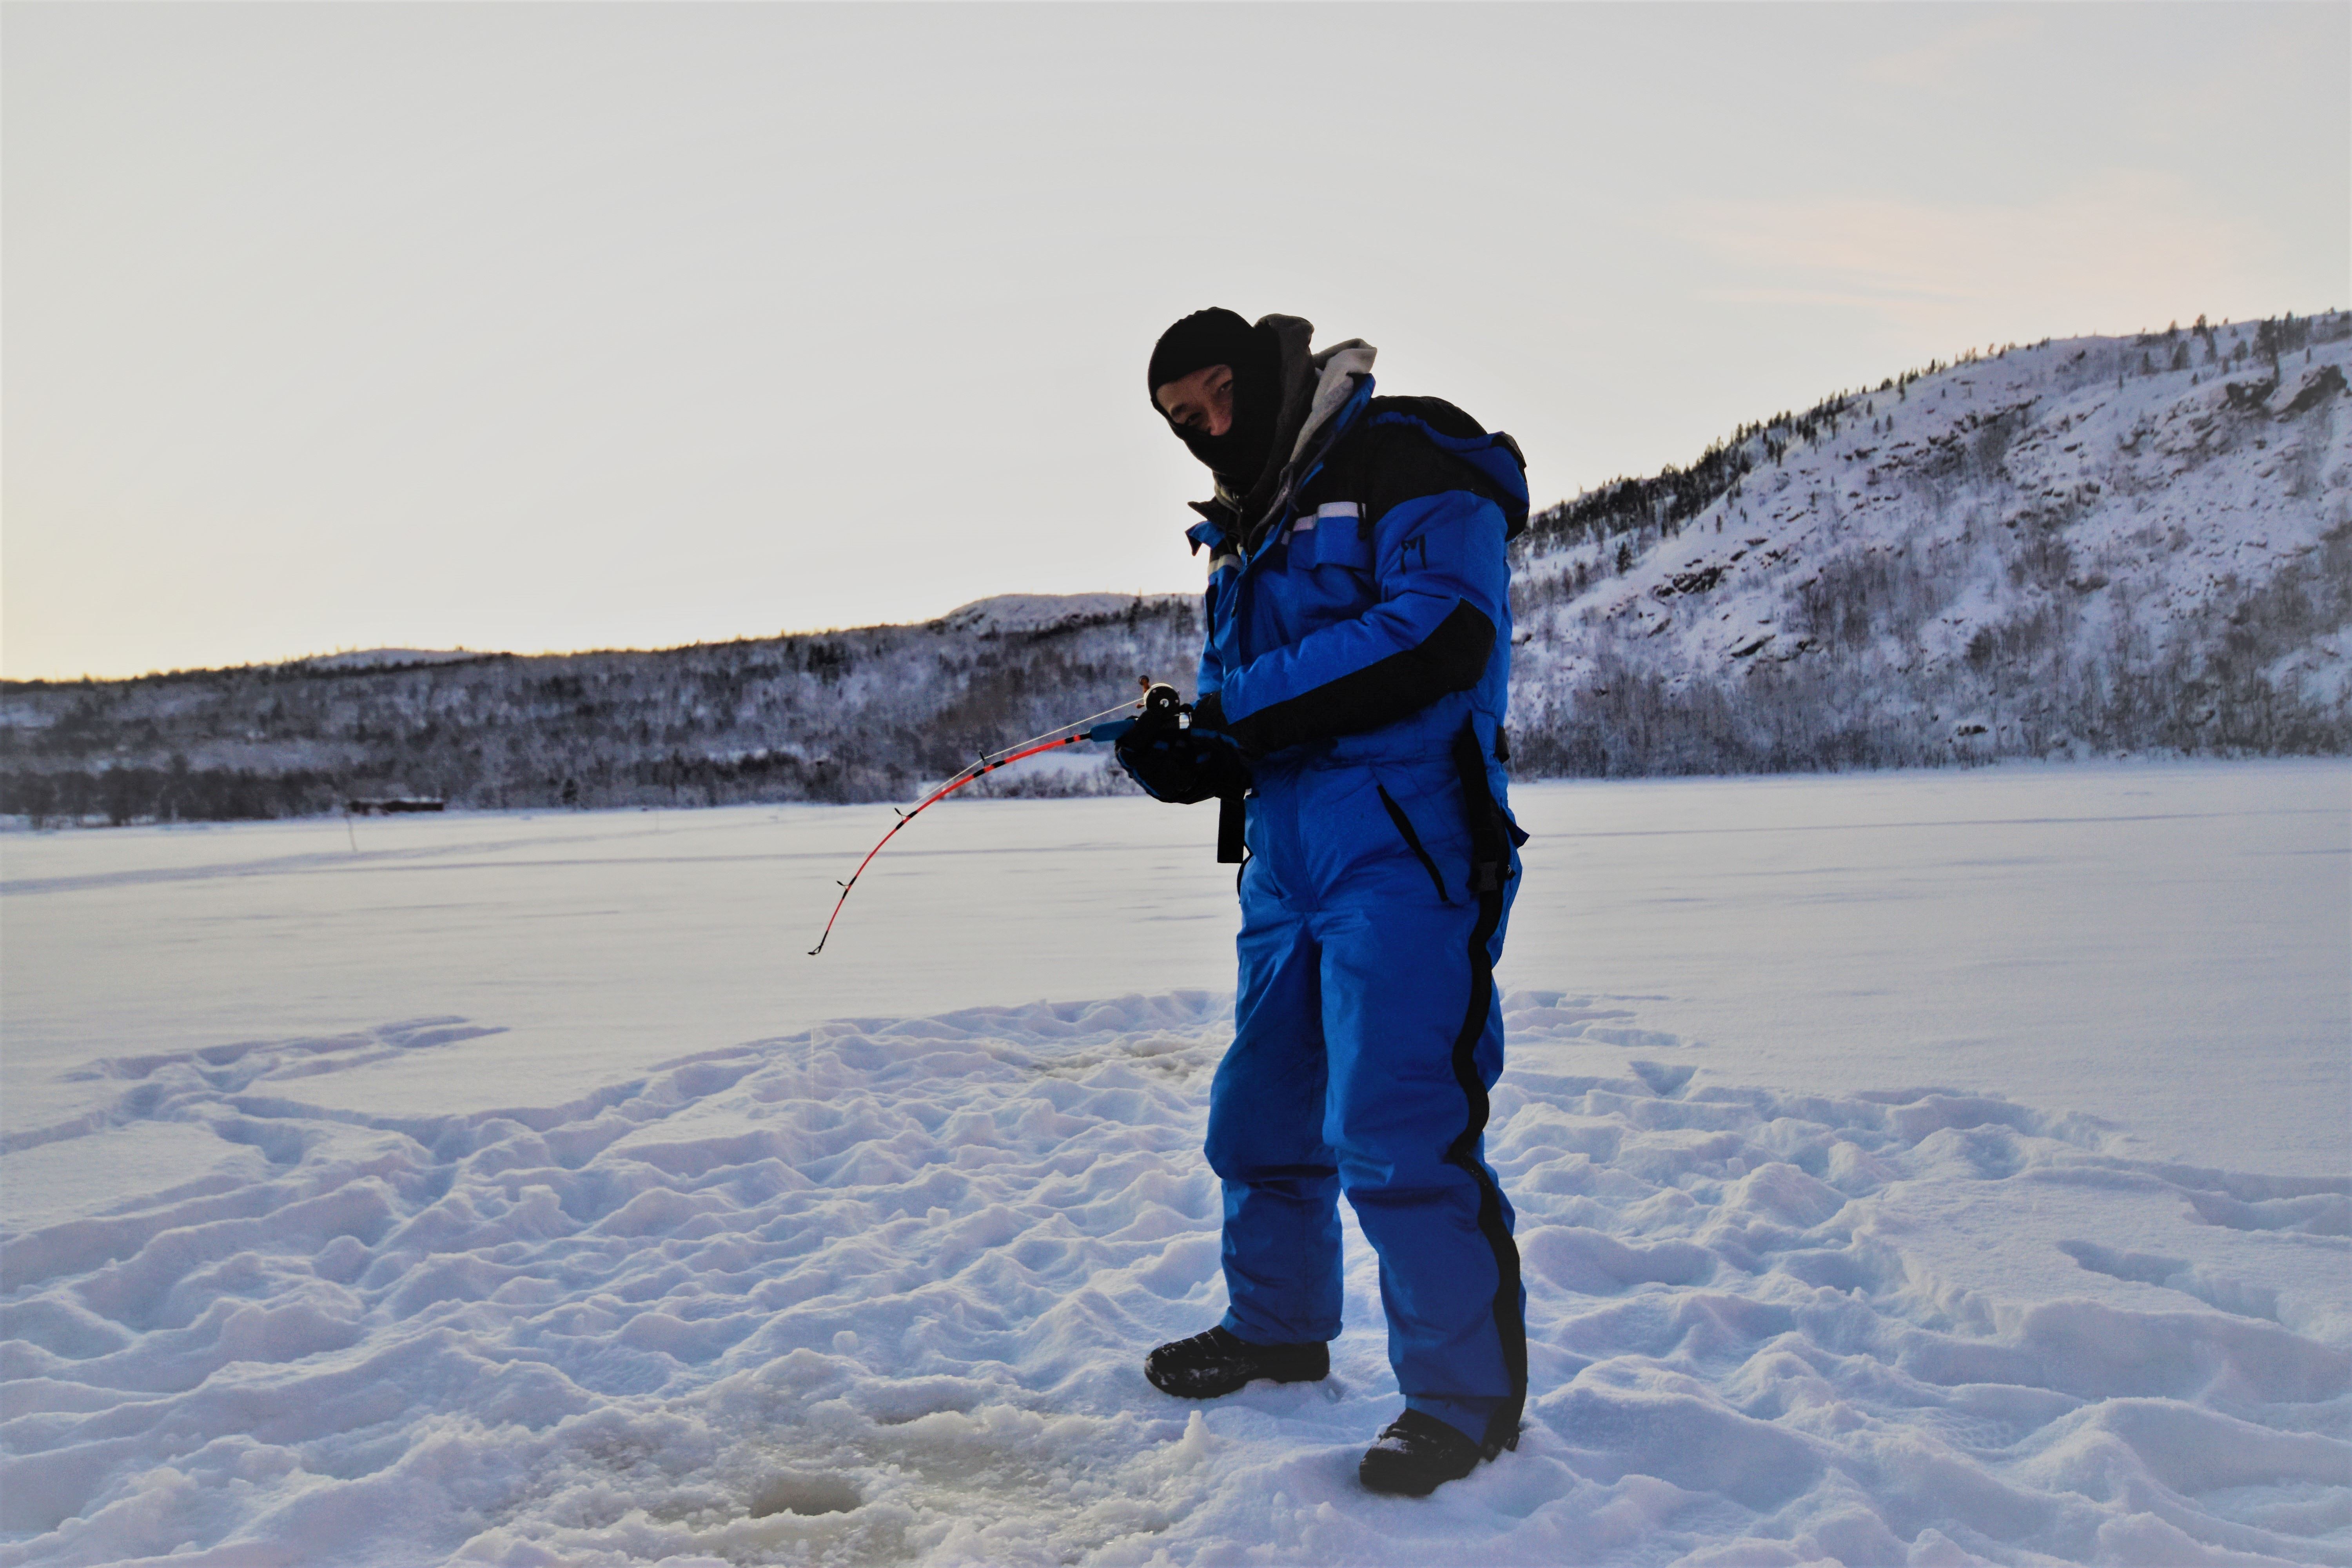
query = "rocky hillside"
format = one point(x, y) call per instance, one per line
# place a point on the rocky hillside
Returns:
point(2082, 547)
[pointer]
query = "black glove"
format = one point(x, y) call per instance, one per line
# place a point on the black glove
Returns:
point(1208, 715)
point(1179, 764)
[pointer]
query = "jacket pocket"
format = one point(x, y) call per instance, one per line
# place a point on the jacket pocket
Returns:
point(1412, 841)
point(1332, 535)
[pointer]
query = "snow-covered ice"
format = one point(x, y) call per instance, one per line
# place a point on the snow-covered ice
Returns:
point(1926, 1168)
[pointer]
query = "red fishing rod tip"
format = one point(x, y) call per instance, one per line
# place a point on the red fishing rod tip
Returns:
point(985, 765)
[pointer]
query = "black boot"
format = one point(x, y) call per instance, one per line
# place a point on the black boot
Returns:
point(1416, 1455)
point(1217, 1363)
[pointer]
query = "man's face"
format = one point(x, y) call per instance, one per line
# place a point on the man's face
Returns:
point(1202, 401)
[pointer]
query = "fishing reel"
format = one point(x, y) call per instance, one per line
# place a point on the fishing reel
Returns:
point(1161, 704)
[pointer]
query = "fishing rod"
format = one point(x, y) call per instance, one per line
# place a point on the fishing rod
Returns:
point(989, 762)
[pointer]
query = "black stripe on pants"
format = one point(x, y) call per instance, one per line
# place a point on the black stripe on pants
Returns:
point(1490, 856)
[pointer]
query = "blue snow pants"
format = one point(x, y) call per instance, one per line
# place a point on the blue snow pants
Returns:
point(1367, 1035)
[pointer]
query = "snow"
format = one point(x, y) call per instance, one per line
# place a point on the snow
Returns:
point(1912, 1168)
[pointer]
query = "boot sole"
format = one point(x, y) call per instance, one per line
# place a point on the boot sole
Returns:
point(1219, 1393)
point(1398, 1486)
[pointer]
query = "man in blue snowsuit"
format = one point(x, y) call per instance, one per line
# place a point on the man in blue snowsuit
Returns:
point(1352, 688)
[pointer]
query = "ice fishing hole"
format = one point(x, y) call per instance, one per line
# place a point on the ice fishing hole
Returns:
point(795, 1492)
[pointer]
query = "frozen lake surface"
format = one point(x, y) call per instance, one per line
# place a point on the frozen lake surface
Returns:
point(1927, 1168)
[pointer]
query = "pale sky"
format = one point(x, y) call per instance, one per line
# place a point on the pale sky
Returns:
point(552, 326)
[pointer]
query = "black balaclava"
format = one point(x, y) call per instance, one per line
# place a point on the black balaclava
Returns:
point(1219, 336)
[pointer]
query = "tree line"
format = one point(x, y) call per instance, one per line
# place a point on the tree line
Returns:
point(856, 715)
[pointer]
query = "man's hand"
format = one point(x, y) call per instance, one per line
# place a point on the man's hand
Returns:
point(1179, 764)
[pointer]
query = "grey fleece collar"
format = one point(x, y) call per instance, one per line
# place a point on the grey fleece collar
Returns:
point(1336, 369)
point(1316, 387)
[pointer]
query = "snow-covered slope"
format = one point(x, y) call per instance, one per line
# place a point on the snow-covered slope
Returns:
point(2092, 545)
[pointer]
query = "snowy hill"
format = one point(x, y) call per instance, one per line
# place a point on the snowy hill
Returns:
point(1019, 613)
point(864, 714)
point(2099, 544)
point(385, 658)
point(2087, 547)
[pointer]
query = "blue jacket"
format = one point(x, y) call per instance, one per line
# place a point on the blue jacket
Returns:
point(1364, 613)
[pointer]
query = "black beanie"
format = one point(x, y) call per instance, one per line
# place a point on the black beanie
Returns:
point(1217, 336)
point(1213, 336)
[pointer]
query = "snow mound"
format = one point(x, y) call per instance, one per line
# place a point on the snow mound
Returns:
point(878, 1292)
point(1010, 613)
